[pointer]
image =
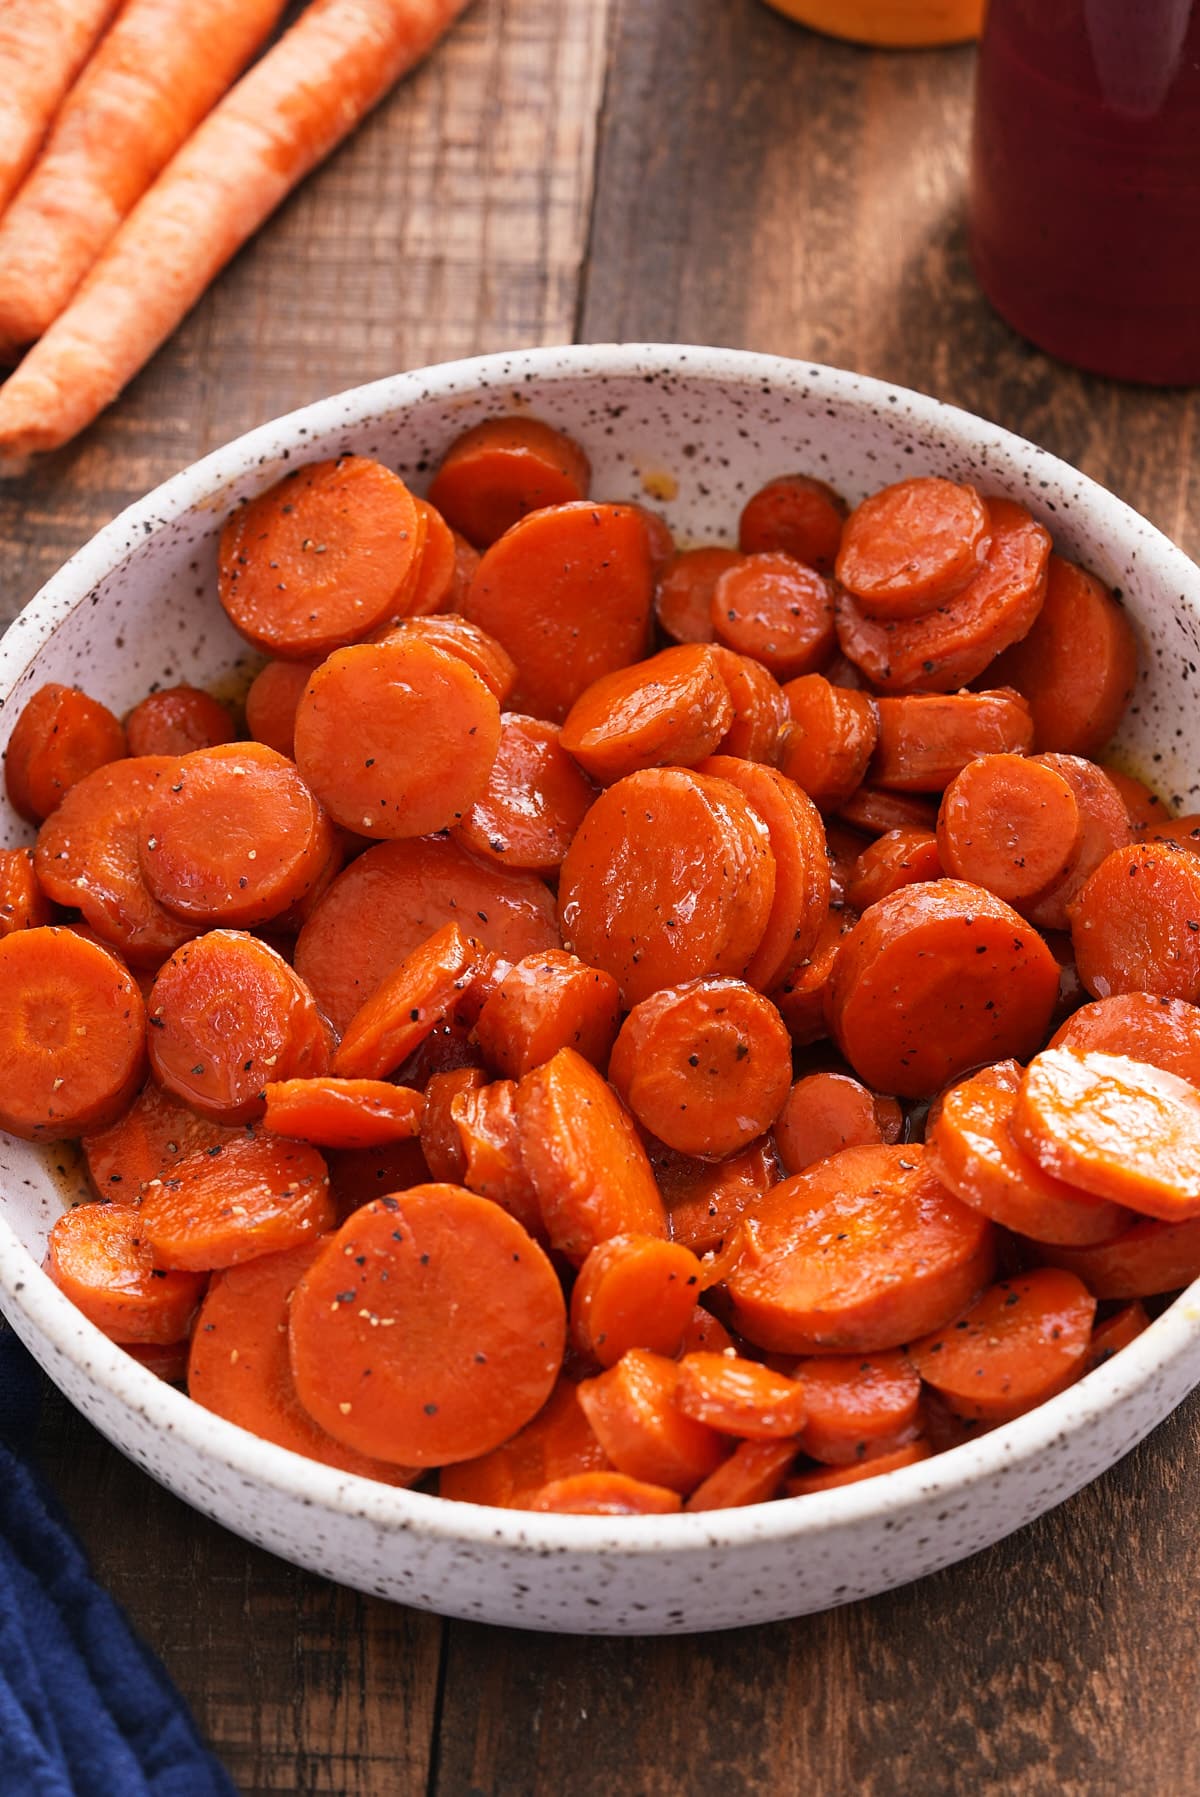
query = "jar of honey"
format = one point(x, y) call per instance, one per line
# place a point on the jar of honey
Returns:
point(899, 24)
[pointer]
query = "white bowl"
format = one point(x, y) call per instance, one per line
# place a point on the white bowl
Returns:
point(138, 605)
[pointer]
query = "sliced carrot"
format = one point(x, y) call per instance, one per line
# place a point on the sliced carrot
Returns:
point(1022, 1342)
point(1141, 1025)
point(273, 700)
point(628, 906)
point(342, 1113)
point(831, 1478)
point(1132, 923)
point(534, 801)
point(227, 1015)
point(42, 49)
point(1011, 824)
point(72, 1035)
point(705, 1199)
point(683, 598)
point(396, 738)
point(390, 900)
point(544, 1003)
point(441, 1140)
point(843, 847)
point(895, 859)
point(176, 720)
point(1105, 826)
point(1144, 1261)
point(705, 1333)
point(605, 1494)
point(798, 515)
point(925, 739)
point(166, 1360)
point(433, 586)
point(632, 1408)
point(357, 1175)
point(584, 1158)
point(233, 1202)
point(863, 1251)
point(858, 1408)
point(673, 708)
point(466, 562)
point(1121, 1129)
point(825, 1112)
point(913, 546)
point(633, 1291)
point(704, 1066)
point(558, 1444)
point(59, 737)
point(777, 611)
point(658, 535)
point(23, 904)
point(1184, 831)
point(759, 707)
point(145, 1142)
point(493, 1165)
point(458, 636)
point(973, 1151)
point(1143, 805)
point(498, 471)
point(405, 1006)
point(875, 812)
point(97, 1254)
point(831, 740)
point(753, 1474)
point(398, 1347)
point(740, 1397)
point(568, 592)
point(1116, 1332)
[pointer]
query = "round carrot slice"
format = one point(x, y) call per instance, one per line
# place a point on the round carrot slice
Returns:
point(1119, 1128)
point(1104, 827)
point(673, 708)
point(826, 1112)
point(398, 1345)
point(72, 1035)
point(670, 877)
point(227, 1015)
point(1011, 824)
point(493, 1165)
point(458, 636)
point(913, 546)
point(605, 1494)
point(739, 1397)
point(60, 736)
point(342, 1113)
point(777, 611)
point(501, 469)
point(432, 589)
point(441, 1139)
point(705, 1067)
point(633, 1291)
point(875, 812)
point(949, 646)
point(802, 997)
point(534, 801)
point(973, 1151)
point(568, 592)
point(1116, 1332)
point(632, 1408)
point(396, 738)
point(356, 1175)
point(832, 1478)
point(1141, 1025)
point(557, 1444)
point(1143, 805)
point(1184, 831)
point(936, 979)
point(1144, 1261)
point(392, 898)
point(705, 1199)
point(320, 558)
point(759, 707)
point(798, 515)
point(98, 1256)
point(238, 1366)
point(145, 1142)
point(177, 720)
point(544, 1003)
point(895, 859)
point(1022, 1342)
point(231, 1203)
point(858, 1409)
point(925, 739)
point(23, 904)
point(272, 702)
point(753, 1473)
point(831, 740)
point(584, 1158)
point(405, 1006)
point(658, 535)
point(864, 1251)
point(683, 600)
point(1132, 923)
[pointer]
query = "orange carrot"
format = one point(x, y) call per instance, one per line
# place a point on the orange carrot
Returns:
point(644, 1433)
point(98, 1256)
point(557, 1444)
point(23, 904)
point(342, 1113)
point(146, 1141)
point(829, 1478)
point(752, 1474)
point(633, 1291)
point(225, 1205)
point(740, 1397)
point(43, 46)
point(604, 1494)
point(280, 121)
point(404, 1008)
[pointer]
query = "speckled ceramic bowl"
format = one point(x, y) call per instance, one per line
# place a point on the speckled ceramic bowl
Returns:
point(698, 430)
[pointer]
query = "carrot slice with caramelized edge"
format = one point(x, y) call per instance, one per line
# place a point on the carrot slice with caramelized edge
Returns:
point(1144, 1261)
point(753, 1474)
point(705, 1199)
point(740, 1397)
point(273, 700)
point(441, 1140)
point(1105, 827)
point(632, 1408)
point(1141, 802)
point(925, 739)
point(176, 720)
point(830, 1478)
point(826, 1112)
point(493, 1166)
point(633, 1291)
point(458, 636)
point(429, 1329)
point(802, 997)
point(798, 515)
point(146, 1141)
point(858, 1408)
point(831, 739)
point(534, 801)
point(1132, 923)
point(1141, 1025)
point(357, 1175)
point(1116, 1332)
point(759, 708)
point(605, 1494)
point(235, 1201)
point(777, 611)
point(60, 736)
point(1023, 1341)
point(405, 1006)
point(683, 599)
point(502, 469)
point(875, 811)
point(544, 1003)
point(895, 859)
point(1011, 824)
point(23, 904)
point(911, 547)
point(342, 1113)
point(98, 1255)
point(673, 708)
point(557, 1444)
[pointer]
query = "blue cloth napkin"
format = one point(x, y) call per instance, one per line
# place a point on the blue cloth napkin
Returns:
point(85, 1708)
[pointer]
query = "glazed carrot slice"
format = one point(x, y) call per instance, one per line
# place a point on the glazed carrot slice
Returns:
point(740, 1397)
point(238, 1366)
point(231, 1203)
point(672, 709)
point(145, 1142)
point(825, 1112)
point(913, 546)
point(759, 707)
point(1116, 1332)
point(42, 49)
point(706, 1334)
point(777, 611)
point(794, 513)
point(273, 700)
point(895, 859)
point(802, 996)
point(753, 1474)
point(320, 558)
point(396, 738)
point(458, 636)
point(177, 720)
point(1022, 1342)
point(683, 598)
point(558, 1444)
point(342, 1113)
point(357, 1175)
point(874, 811)
point(972, 1149)
point(831, 740)
point(441, 1139)
point(704, 1066)
point(1143, 805)
point(604, 1494)
point(568, 592)
point(858, 1408)
point(1119, 1128)
point(950, 646)
point(1131, 924)
point(501, 469)
point(1144, 1261)
point(705, 1199)
point(493, 1165)
point(936, 979)
point(23, 904)
point(1184, 831)
point(629, 901)
point(1141, 1025)
point(60, 736)
point(1077, 700)
point(584, 1158)
point(166, 1360)
point(405, 1006)
point(633, 1291)
point(843, 847)
point(1011, 824)
point(797, 838)
point(534, 801)
point(423, 1366)
point(227, 1014)
point(544, 1003)
point(72, 1035)
point(830, 1478)
point(97, 1254)
point(925, 739)
point(1105, 827)
point(658, 535)
point(632, 1408)
point(432, 587)
point(863, 1251)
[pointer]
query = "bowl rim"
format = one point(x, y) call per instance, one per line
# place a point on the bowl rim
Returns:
point(26, 1290)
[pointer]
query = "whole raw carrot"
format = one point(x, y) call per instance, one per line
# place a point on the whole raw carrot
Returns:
point(305, 95)
point(163, 65)
point(43, 46)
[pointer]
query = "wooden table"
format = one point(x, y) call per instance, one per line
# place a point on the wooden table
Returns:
point(692, 170)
